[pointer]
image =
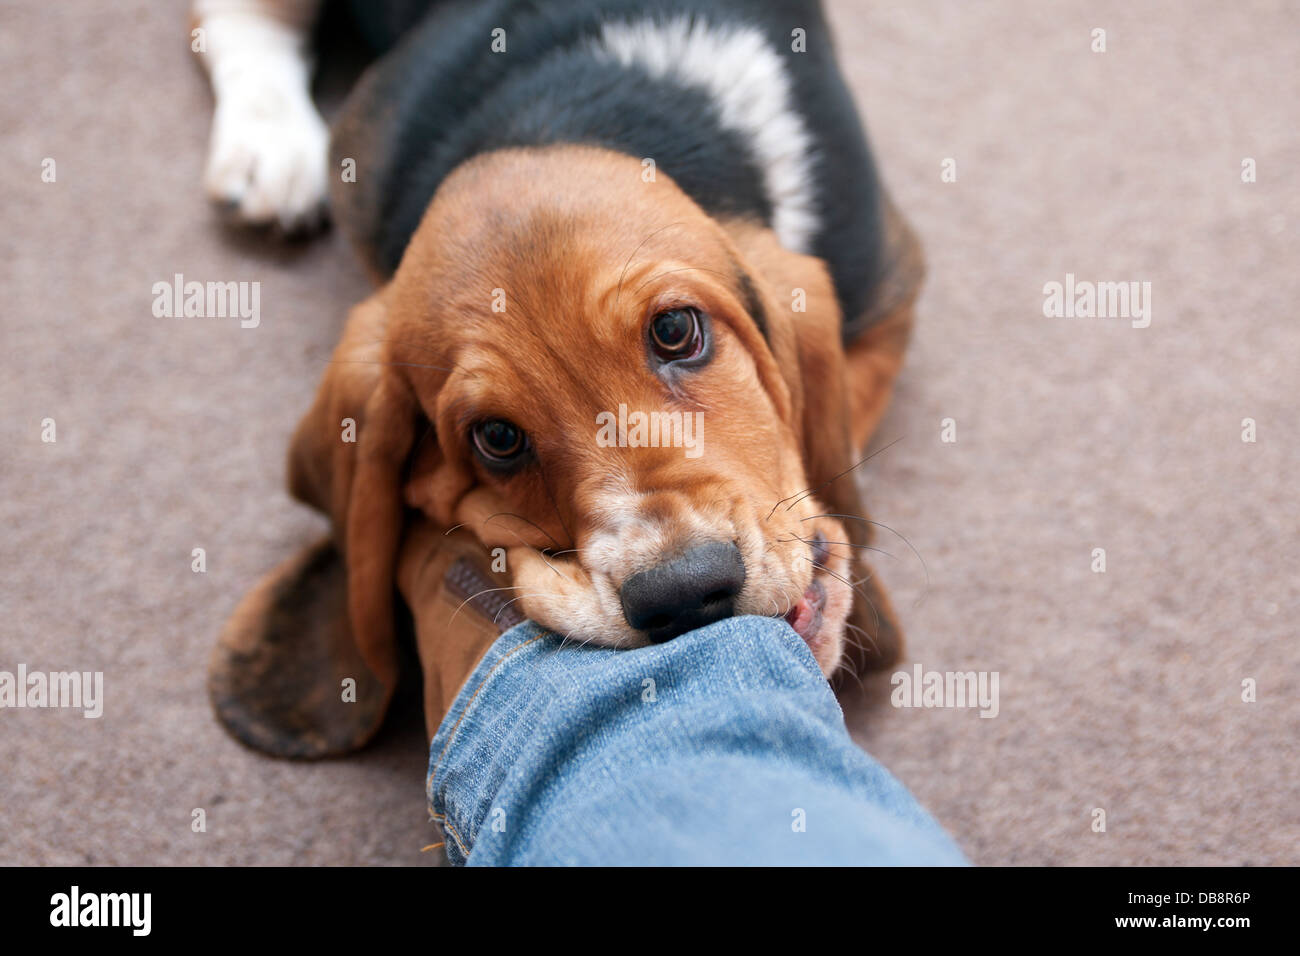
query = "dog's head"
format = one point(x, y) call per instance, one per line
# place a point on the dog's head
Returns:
point(643, 405)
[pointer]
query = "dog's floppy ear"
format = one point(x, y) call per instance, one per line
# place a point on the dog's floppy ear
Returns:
point(347, 459)
point(278, 675)
point(840, 390)
point(804, 334)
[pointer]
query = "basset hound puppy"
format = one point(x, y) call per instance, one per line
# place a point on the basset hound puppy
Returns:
point(640, 303)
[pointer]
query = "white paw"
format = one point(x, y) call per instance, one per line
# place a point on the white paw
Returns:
point(268, 159)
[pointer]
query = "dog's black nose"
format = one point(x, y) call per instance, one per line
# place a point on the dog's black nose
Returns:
point(698, 588)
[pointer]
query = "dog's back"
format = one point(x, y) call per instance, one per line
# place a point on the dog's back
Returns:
point(742, 104)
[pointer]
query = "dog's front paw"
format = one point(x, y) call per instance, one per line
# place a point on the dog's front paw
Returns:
point(268, 157)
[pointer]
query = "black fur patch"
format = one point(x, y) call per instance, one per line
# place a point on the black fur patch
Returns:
point(753, 304)
point(443, 96)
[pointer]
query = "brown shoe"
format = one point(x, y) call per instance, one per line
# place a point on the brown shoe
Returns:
point(460, 606)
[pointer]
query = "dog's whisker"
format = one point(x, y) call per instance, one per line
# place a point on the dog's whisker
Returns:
point(847, 544)
point(861, 581)
point(563, 641)
point(556, 554)
point(853, 627)
point(844, 664)
point(520, 598)
point(478, 594)
point(511, 514)
point(586, 642)
point(540, 553)
point(878, 524)
point(800, 495)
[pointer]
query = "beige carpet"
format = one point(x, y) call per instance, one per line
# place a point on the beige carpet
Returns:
point(1119, 691)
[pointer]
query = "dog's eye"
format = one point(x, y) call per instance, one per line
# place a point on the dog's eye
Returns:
point(675, 334)
point(498, 440)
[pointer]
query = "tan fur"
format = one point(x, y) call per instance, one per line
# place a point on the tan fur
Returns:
point(586, 254)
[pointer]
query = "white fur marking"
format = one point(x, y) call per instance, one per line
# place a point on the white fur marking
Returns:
point(747, 81)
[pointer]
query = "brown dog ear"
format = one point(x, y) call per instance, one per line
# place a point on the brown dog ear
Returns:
point(347, 459)
point(322, 453)
point(850, 391)
point(326, 615)
point(876, 340)
point(276, 675)
point(804, 334)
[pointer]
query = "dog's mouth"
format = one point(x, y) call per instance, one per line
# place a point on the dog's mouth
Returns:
point(806, 617)
point(704, 584)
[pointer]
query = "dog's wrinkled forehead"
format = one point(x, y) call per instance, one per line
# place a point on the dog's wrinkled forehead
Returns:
point(543, 266)
point(524, 234)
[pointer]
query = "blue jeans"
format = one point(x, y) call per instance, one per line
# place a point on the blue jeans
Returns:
point(722, 746)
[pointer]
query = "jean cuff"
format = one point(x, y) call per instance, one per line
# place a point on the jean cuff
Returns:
point(457, 822)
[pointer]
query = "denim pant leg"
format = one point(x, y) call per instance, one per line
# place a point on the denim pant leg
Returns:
point(722, 746)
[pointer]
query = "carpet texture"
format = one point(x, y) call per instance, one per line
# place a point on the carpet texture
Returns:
point(1119, 691)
